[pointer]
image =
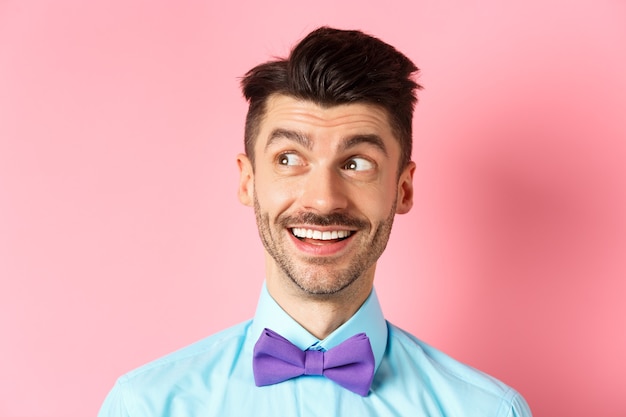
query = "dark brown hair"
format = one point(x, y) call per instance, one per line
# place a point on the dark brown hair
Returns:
point(331, 67)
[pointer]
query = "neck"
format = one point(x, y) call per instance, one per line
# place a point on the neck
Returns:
point(319, 314)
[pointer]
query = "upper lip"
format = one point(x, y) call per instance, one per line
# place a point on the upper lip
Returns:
point(330, 228)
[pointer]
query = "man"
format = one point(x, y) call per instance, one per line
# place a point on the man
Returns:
point(327, 167)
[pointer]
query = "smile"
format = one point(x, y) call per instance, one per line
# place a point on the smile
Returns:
point(303, 233)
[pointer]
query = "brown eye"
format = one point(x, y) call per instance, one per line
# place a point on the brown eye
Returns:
point(289, 159)
point(358, 164)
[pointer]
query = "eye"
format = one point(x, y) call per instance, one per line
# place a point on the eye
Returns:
point(358, 164)
point(290, 159)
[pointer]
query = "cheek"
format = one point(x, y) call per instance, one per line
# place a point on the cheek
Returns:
point(378, 201)
point(274, 196)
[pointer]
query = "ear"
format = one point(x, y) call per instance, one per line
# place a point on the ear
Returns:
point(246, 180)
point(405, 189)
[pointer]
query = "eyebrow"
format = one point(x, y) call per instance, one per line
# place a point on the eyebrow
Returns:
point(306, 142)
point(375, 140)
point(292, 135)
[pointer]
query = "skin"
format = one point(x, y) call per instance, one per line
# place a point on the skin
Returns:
point(324, 170)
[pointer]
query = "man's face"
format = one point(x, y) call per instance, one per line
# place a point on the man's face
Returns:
point(325, 189)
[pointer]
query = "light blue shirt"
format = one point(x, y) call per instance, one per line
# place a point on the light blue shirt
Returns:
point(213, 377)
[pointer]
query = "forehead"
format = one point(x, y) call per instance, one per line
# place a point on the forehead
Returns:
point(286, 112)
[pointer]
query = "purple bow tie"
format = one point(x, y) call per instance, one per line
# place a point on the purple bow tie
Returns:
point(350, 364)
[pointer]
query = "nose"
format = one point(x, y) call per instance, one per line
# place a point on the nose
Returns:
point(324, 192)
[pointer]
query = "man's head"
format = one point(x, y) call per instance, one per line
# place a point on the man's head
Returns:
point(327, 164)
point(331, 67)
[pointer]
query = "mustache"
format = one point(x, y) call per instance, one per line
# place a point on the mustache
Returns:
point(333, 219)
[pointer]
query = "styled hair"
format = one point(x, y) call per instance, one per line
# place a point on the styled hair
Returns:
point(331, 67)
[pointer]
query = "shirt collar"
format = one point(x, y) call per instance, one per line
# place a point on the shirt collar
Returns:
point(368, 319)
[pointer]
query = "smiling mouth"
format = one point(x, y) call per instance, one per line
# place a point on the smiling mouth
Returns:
point(327, 235)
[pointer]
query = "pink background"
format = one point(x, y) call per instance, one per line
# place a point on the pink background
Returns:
point(121, 237)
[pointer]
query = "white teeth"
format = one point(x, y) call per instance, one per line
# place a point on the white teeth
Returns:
point(319, 235)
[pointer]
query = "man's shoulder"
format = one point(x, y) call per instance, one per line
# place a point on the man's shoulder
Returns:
point(207, 352)
point(443, 371)
point(191, 372)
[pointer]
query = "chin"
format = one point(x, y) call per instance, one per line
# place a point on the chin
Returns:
point(324, 288)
